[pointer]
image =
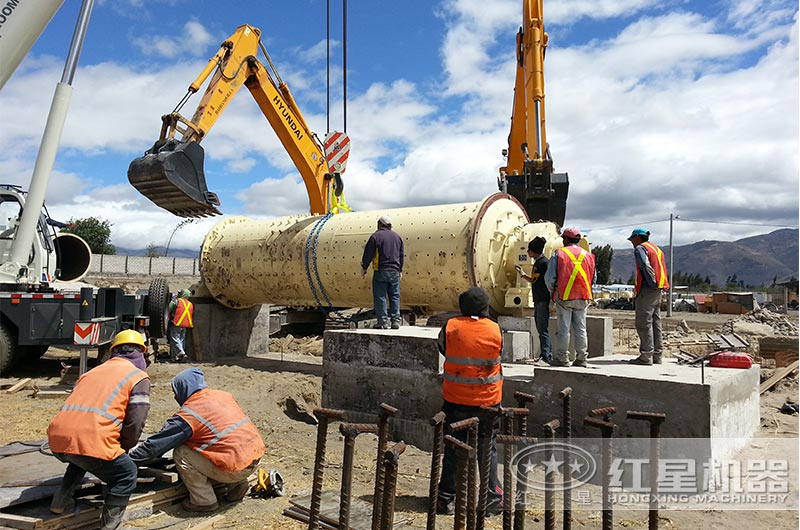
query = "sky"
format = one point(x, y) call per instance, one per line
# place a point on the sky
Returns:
point(654, 108)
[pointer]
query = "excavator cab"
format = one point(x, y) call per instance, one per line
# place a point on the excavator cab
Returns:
point(171, 175)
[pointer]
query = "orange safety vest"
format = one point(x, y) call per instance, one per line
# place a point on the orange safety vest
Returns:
point(656, 258)
point(473, 374)
point(90, 421)
point(575, 274)
point(183, 314)
point(221, 431)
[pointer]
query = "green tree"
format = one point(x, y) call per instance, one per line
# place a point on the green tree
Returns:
point(96, 232)
point(602, 263)
point(153, 251)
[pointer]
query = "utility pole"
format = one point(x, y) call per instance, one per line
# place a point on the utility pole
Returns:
point(669, 302)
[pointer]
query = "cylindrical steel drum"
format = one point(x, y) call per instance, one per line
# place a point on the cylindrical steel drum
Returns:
point(448, 248)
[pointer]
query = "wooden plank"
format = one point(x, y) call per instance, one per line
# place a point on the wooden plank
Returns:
point(167, 477)
point(51, 394)
point(778, 376)
point(19, 385)
point(18, 521)
point(360, 510)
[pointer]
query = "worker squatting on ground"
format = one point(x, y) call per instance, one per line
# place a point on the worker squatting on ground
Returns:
point(213, 442)
point(569, 277)
point(101, 419)
point(541, 296)
point(473, 377)
point(181, 314)
point(384, 250)
point(651, 279)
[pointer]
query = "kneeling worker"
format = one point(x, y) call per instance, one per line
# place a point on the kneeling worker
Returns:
point(101, 419)
point(213, 442)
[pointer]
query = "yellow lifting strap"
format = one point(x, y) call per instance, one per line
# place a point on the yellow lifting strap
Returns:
point(340, 205)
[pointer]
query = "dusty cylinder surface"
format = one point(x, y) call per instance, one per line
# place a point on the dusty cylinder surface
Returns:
point(448, 248)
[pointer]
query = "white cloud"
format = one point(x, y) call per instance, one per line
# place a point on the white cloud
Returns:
point(193, 42)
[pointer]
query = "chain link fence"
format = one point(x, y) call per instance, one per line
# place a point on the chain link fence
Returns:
point(162, 266)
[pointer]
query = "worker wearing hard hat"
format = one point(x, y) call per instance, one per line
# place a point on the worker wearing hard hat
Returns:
point(651, 279)
point(569, 277)
point(212, 439)
point(101, 419)
point(181, 313)
point(473, 378)
point(384, 250)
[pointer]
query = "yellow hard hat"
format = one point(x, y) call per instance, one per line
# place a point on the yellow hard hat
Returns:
point(128, 336)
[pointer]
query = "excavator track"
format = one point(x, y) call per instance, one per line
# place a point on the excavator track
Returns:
point(171, 175)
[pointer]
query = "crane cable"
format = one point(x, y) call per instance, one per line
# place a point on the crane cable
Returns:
point(328, 65)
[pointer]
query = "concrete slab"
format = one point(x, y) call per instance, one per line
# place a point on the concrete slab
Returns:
point(362, 368)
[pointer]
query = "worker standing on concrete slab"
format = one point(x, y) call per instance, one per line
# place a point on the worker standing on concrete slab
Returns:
point(102, 418)
point(212, 439)
point(541, 296)
point(181, 317)
point(384, 251)
point(569, 277)
point(651, 280)
point(473, 377)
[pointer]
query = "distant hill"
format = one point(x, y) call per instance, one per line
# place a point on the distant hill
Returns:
point(755, 260)
point(173, 252)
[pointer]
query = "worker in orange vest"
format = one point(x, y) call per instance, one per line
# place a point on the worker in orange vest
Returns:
point(101, 419)
point(181, 314)
point(473, 377)
point(651, 280)
point(569, 278)
point(212, 439)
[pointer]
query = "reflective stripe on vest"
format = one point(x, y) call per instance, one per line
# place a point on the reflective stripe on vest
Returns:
point(221, 431)
point(183, 314)
point(655, 256)
point(473, 374)
point(90, 420)
point(574, 266)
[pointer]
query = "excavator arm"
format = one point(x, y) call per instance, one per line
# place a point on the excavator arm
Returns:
point(171, 173)
point(528, 174)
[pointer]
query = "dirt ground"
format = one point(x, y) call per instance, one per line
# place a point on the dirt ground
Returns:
point(279, 395)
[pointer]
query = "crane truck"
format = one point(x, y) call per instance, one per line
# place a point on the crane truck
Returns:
point(528, 174)
point(39, 306)
point(171, 173)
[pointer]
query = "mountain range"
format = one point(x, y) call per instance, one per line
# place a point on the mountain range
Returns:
point(756, 261)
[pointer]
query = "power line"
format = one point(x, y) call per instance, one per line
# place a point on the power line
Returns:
point(626, 225)
point(733, 223)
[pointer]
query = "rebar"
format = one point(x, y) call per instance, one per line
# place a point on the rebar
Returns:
point(607, 429)
point(471, 426)
point(464, 452)
point(550, 429)
point(323, 417)
point(391, 459)
point(509, 415)
point(488, 416)
point(523, 400)
point(522, 476)
point(436, 468)
point(655, 419)
point(566, 432)
point(350, 431)
point(384, 413)
point(604, 412)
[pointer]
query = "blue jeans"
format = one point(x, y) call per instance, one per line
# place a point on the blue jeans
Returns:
point(386, 284)
point(177, 342)
point(119, 474)
point(541, 316)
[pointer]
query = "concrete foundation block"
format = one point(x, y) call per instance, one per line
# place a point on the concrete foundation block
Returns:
point(221, 332)
point(600, 334)
point(516, 346)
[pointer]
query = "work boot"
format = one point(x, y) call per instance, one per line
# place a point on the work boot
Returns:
point(113, 511)
point(236, 492)
point(446, 507)
point(657, 358)
point(641, 361)
point(380, 325)
point(581, 363)
point(559, 362)
point(395, 325)
point(63, 500)
point(189, 506)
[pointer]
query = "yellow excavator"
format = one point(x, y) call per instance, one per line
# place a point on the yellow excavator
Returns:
point(171, 174)
point(528, 174)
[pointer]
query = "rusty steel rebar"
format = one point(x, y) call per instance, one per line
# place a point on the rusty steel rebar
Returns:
point(323, 416)
point(655, 419)
point(385, 411)
point(488, 417)
point(464, 452)
point(471, 426)
point(603, 412)
point(510, 415)
point(607, 430)
point(566, 433)
point(523, 401)
point(436, 468)
point(522, 476)
point(550, 429)
point(350, 431)
point(391, 461)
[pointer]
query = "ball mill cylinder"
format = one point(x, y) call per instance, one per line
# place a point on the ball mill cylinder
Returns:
point(316, 260)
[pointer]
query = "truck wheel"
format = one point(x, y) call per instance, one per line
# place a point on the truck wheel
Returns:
point(8, 349)
point(158, 307)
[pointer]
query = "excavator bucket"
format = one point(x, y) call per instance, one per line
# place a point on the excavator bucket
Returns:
point(171, 175)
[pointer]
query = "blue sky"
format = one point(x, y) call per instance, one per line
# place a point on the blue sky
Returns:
point(684, 107)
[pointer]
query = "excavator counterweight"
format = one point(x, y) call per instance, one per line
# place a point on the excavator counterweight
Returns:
point(171, 175)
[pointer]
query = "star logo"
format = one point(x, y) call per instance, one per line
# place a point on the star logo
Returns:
point(552, 465)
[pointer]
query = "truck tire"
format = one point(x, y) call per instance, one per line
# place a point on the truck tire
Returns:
point(158, 307)
point(8, 349)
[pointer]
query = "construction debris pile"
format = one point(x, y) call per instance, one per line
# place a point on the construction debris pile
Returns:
point(780, 325)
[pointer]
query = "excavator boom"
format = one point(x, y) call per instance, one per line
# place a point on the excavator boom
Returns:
point(171, 172)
